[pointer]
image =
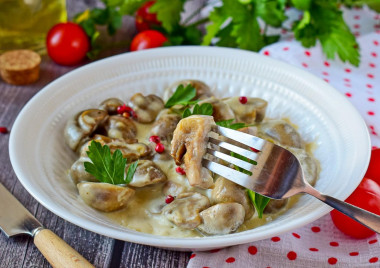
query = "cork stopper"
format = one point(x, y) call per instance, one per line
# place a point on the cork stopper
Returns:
point(20, 67)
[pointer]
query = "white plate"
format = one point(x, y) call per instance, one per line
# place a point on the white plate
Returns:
point(40, 158)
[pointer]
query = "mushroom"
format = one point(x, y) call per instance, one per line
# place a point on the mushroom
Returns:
point(250, 112)
point(172, 188)
point(104, 196)
point(184, 210)
point(146, 107)
point(310, 165)
point(280, 132)
point(203, 91)
point(119, 127)
point(78, 173)
point(226, 191)
point(132, 151)
point(221, 111)
point(110, 105)
point(147, 173)
point(83, 125)
point(165, 125)
point(275, 205)
point(189, 146)
point(223, 218)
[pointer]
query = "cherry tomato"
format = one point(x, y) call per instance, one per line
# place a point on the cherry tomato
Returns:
point(366, 196)
point(373, 171)
point(67, 43)
point(147, 39)
point(144, 19)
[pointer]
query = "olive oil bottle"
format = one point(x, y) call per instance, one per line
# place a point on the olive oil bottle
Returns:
point(25, 23)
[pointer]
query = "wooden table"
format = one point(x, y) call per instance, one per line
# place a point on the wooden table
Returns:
point(100, 250)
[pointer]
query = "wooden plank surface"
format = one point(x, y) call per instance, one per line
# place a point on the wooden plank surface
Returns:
point(99, 250)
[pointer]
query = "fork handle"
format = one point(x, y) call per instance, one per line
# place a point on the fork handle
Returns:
point(368, 219)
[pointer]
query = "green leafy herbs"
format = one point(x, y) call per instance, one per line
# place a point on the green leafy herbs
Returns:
point(107, 167)
point(323, 21)
point(229, 124)
point(110, 16)
point(168, 12)
point(235, 24)
point(259, 202)
point(182, 96)
point(203, 109)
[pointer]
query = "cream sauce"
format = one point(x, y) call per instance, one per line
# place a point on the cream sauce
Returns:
point(142, 213)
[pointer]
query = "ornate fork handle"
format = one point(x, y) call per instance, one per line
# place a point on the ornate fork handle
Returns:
point(372, 221)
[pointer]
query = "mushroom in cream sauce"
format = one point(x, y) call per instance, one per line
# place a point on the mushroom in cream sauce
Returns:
point(110, 105)
point(184, 210)
point(223, 218)
point(104, 196)
point(146, 107)
point(189, 145)
point(160, 197)
point(81, 125)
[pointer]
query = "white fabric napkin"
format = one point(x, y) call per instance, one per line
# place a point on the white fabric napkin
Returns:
point(320, 244)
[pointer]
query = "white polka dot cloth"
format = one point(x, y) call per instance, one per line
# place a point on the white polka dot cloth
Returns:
point(320, 244)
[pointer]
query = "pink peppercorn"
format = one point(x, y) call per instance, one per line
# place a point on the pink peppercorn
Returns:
point(3, 130)
point(243, 99)
point(169, 198)
point(155, 139)
point(121, 109)
point(160, 148)
point(180, 171)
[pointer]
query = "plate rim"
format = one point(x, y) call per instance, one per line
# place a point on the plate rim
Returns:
point(148, 239)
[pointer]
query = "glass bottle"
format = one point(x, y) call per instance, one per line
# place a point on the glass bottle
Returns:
point(25, 23)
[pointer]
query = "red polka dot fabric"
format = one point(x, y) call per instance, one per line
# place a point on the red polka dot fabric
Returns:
point(320, 244)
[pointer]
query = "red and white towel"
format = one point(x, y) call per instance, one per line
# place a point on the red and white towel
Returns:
point(320, 244)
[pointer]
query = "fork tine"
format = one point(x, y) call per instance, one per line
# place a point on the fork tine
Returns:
point(237, 162)
point(247, 139)
point(228, 173)
point(249, 154)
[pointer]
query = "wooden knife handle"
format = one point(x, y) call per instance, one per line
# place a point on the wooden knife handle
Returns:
point(57, 252)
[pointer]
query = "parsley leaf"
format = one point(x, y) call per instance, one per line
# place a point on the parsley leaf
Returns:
point(323, 21)
point(107, 167)
point(259, 202)
point(131, 171)
point(272, 12)
point(229, 124)
point(129, 7)
point(168, 12)
point(203, 109)
point(182, 95)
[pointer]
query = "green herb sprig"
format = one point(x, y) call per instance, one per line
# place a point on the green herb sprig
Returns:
point(203, 109)
point(229, 124)
point(235, 23)
point(182, 96)
point(107, 167)
point(259, 202)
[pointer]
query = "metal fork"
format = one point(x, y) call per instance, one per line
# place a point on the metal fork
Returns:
point(277, 174)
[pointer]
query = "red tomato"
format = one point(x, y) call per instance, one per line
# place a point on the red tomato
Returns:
point(366, 196)
point(373, 171)
point(147, 39)
point(67, 43)
point(144, 19)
